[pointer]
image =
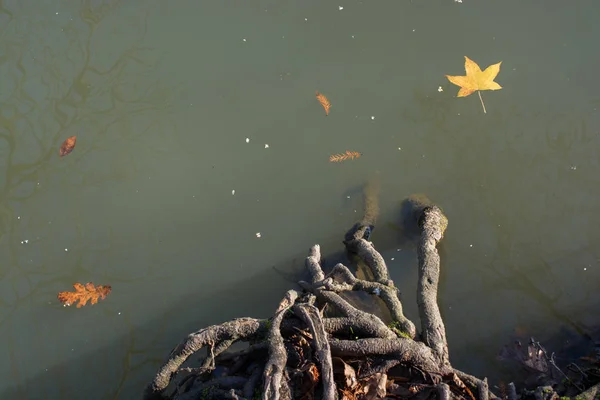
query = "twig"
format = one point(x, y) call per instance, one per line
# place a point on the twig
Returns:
point(556, 368)
point(577, 368)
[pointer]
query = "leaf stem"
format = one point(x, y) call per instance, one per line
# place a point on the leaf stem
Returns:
point(482, 105)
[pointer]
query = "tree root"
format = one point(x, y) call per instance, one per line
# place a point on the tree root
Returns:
point(241, 328)
point(347, 353)
point(273, 374)
point(301, 343)
point(433, 224)
point(389, 295)
point(310, 315)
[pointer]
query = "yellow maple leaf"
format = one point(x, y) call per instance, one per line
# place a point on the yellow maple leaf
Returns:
point(476, 79)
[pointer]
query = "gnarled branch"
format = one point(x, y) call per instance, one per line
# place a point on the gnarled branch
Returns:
point(310, 315)
point(232, 330)
point(273, 374)
point(433, 224)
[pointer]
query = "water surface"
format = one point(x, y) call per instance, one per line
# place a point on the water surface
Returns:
point(173, 104)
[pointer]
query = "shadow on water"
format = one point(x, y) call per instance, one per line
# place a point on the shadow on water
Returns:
point(256, 296)
point(265, 289)
point(195, 311)
point(118, 379)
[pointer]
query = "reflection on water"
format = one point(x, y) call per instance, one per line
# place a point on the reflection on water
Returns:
point(66, 77)
point(162, 98)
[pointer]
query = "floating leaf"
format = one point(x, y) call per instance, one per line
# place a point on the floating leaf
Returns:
point(67, 146)
point(476, 80)
point(348, 155)
point(83, 294)
point(324, 102)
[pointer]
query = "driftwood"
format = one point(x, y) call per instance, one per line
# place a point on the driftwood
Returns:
point(319, 346)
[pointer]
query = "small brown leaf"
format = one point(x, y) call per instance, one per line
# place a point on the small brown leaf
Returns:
point(344, 373)
point(308, 381)
point(375, 386)
point(83, 294)
point(313, 374)
point(68, 146)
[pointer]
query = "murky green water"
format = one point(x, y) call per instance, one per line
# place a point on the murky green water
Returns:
point(162, 97)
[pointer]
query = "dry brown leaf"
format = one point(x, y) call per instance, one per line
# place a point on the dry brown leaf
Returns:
point(374, 387)
point(313, 374)
point(460, 384)
point(67, 146)
point(324, 102)
point(309, 380)
point(348, 155)
point(83, 294)
point(344, 373)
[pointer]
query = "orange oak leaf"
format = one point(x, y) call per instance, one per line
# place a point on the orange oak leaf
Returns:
point(67, 146)
point(348, 155)
point(83, 294)
point(324, 102)
point(476, 79)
